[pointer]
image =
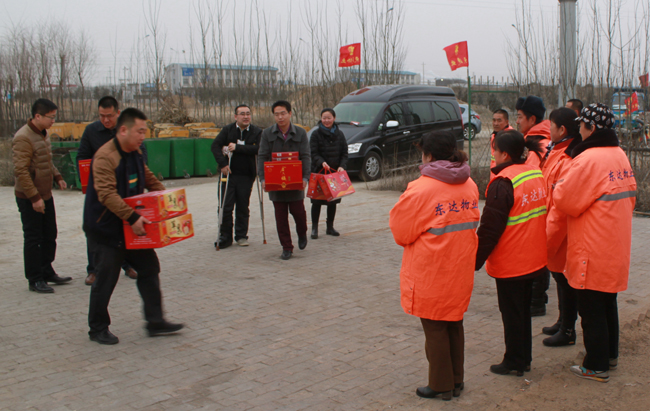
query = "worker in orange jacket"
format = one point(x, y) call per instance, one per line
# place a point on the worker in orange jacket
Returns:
point(565, 135)
point(512, 238)
point(531, 123)
point(598, 194)
point(435, 221)
point(500, 122)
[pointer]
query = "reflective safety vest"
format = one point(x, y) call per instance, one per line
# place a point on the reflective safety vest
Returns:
point(542, 129)
point(521, 250)
point(436, 224)
point(597, 191)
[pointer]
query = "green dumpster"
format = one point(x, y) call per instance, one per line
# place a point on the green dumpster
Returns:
point(73, 158)
point(158, 156)
point(69, 144)
point(204, 162)
point(182, 157)
point(63, 162)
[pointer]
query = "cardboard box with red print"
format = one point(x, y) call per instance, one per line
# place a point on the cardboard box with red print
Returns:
point(161, 233)
point(159, 205)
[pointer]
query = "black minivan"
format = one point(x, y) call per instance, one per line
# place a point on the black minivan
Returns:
point(382, 123)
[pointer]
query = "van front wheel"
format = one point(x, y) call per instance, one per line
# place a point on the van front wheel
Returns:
point(371, 170)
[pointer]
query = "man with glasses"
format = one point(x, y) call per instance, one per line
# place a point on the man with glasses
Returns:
point(96, 135)
point(240, 140)
point(35, 173)
point(281, 137)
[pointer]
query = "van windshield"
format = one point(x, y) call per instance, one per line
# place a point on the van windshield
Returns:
point(358, 113)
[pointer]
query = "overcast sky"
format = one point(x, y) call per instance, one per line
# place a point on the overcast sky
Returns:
point(430, 26)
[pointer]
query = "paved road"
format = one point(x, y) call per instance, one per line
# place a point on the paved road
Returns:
point(323, 331)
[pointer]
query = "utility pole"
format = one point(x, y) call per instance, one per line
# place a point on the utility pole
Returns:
point(568, 51)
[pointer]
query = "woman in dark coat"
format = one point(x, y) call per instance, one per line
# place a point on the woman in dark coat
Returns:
point(329, 152)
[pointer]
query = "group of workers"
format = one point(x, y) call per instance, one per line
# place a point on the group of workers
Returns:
point(560, 198)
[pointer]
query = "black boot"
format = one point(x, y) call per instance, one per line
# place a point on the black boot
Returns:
point(315, 215)
point(561, 338)
point(331, 213)
point(552, 329)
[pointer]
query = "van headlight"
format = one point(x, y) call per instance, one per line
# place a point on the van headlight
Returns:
point(354, 148)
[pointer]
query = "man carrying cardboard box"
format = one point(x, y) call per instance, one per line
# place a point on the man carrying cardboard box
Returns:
point(118, 171)
point(285, 137)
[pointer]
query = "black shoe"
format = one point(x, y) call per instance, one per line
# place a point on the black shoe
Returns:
point(552, 329)
point(458, 388)
point(331, 231)
point(104, 337)
point(302, 242)
point(426, 392)
point(58, 280)
point(163, 328)
point(286, 254)
point(314, 232)
point(561, 338)
point(40, 287)
point(223, 243)
point(502, 369)
point(538, 311)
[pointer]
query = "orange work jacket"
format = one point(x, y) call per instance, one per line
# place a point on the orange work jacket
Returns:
point(542, 129)
point(556, 220)
point(598, 194)
point(436, 224)
point(521, 249)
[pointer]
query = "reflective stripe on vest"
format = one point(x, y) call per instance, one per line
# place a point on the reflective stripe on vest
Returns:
point(617, 196)
point(452, 228)
point(525, 176)
point(522, 218)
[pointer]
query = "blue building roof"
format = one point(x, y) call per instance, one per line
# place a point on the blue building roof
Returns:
point(404, 73)
point(226, 67)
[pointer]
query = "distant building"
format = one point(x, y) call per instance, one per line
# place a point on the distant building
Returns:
point(193, 76)
point(377, 77)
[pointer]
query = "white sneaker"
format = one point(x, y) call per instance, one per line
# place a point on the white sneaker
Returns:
point(242, 242)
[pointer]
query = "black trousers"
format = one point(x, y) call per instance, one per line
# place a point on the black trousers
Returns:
point(315, 213)
point(599, 312)
point(567, 302)
point(514, 303)
point(237, 198)
point(445, 350)
point(39, 233)
point(107, 263)
point(540, 286)
point(90, 268)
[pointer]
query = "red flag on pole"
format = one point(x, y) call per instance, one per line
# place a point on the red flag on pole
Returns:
point(644, 79)
point(350, 55)
point(457, 55)
point(632, 103)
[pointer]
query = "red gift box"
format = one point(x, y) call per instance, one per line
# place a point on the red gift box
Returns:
point(282, 175)
point(335, 185)
point(314, 191)
point(84, 173)
point(285, 155)
point(159, 205)
point(160, 234)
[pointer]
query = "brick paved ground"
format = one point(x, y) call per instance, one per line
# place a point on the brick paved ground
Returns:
point(322, 331)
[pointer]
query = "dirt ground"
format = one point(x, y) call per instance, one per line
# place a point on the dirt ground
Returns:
point(627, 388)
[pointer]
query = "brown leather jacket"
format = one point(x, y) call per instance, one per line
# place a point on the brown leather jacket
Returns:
point(33, 168)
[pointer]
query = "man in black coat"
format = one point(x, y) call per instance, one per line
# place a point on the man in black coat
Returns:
point(282, 137)
point(96, 135)
point(241, 140)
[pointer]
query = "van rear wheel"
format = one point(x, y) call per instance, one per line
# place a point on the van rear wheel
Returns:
point(372, 166)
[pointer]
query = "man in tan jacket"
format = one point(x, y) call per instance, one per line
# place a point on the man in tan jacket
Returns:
point(35, 173)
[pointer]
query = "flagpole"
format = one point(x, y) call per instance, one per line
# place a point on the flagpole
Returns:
point(469, 112)
point(359, 77)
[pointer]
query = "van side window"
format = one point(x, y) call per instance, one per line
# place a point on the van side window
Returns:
point(444, 111)
point(395, 112)
point(420, 112)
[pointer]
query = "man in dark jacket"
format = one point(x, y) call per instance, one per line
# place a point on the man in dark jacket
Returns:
point(282, 137)
point(96, 135)
point(118, 171)
point(240, 140)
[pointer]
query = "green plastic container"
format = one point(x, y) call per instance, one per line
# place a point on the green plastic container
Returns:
point(73, 158)
point(69, 144)
point(182, 157)
point(63, 162)
point(204, 162)
point(158, 156)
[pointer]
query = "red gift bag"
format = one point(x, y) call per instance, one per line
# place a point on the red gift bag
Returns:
point(314, 191)
point(335, 185)
point(84, 174)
